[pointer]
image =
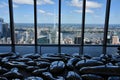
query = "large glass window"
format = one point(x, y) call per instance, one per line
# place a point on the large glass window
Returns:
point(24, 21)
point(71, 14)
point(47, 18)
point(4, 49)
point(70, 50)
point(5, 34)
point(71, 18)
point(94, 51)
point(113, 37)
point(24, 49)
point(112, 50)
point(94, 24)
point(48, 50)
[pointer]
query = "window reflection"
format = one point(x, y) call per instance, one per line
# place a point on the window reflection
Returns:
point(5, 34)
point(114, 24)
point(47, 18)
point(94, 24)
point(24, 21)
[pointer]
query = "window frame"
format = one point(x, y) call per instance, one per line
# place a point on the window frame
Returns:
point(59, 45)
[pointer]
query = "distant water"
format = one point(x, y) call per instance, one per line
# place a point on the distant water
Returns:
point(65, 25)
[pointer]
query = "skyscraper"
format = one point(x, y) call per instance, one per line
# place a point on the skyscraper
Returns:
point(1, 20)
point(115, 38)
point(61, 39)
point(42, 40)
point(68, 40)
point(108, 39)
point(0, 29)
point(4, 30)
point(49, 37)
point(77, 40)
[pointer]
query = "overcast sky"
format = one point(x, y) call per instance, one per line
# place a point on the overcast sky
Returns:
point(47, 11)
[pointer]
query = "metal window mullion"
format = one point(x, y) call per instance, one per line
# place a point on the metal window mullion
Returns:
point(83, 26)
point(12, 25)
point(35, 25)
point(59, 27)
point(107, 15)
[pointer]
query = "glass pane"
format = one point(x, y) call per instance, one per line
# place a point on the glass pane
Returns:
point(70, 50)
point(49, 50)
point(112, 50)
point(114, 24)
point(5, 35)
point(25, 49)
point(71, 21)
point(94, 24)
point(24, 21)
point(47, 18)
point(4, 49)
point(94, 51)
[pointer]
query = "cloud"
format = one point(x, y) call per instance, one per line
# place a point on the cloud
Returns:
point(45, 12)
point(51, 14)
point(15, 6)
point(23, 1)
point(76, 3)
point(89, 4)
point(92, 4)
point(45, 2)
point(30, 2)
point(87, 11)
point(3, 4)
point(41, 11)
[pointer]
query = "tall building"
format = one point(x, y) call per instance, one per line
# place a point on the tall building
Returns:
point(16, 37)
point(1, 20)
point(49, 37)
point(42, 40)
point(68, 41)
point(52, 36)
point(109, 39)
point(0, 29)
point(61, 39)
point(26, 36)
point(3, 40)
point(77, 40)
point(115, 39)
point(5, 30)
point(8, 40)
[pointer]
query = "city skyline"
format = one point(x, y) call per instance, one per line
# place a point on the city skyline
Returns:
point(49, 35)
point(71, 11)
